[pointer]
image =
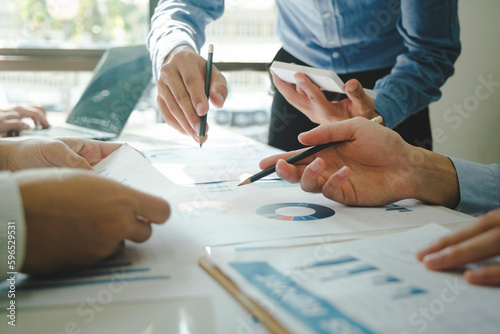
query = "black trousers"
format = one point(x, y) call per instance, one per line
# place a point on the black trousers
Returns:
point(287, 122)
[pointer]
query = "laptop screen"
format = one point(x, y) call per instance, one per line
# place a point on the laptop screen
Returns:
point(119, 80)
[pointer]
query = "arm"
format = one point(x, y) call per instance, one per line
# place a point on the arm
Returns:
point(11, 124)
point(176, 36)
point(475, 242)
point(177, 22)
point(430, 30)
point(83, 219)
point(370, 165)
point(479, 186)
point(11, 210)
point(41, 152)
point(11, 116)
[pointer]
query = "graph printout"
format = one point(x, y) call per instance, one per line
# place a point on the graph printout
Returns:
point(374, 285)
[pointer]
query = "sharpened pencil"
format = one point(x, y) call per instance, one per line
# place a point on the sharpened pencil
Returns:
point(296, 158)
point(208, 78)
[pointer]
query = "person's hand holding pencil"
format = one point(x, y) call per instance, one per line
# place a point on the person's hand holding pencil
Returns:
point(364, 164)
point(182, 98)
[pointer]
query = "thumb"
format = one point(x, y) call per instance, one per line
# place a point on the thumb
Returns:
point(356, 93)
point(73, 160)
point(332, 132)
point(61, 155)
point(218, 88)
point(332, 188)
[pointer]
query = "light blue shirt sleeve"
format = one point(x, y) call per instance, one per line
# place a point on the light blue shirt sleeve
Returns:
point(11, 214)
point(431, 35)
point(176, 23)
point(479, 186)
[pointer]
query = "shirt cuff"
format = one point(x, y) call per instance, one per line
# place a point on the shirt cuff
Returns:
point(163, 46)
point(11, 214)
point(479, 186)
point(388, 109)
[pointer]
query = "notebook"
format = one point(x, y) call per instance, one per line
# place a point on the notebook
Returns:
point(119, 80)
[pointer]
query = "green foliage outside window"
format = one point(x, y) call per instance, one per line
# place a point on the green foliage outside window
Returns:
point(84, 21)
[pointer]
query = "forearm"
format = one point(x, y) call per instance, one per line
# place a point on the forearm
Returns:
point(436, 180)
point(180, 23)
point(479, 186)
point(430, 32)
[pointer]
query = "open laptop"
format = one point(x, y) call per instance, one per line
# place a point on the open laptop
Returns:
point(120, 79)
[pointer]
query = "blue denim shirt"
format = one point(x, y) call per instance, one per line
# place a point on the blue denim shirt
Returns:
point(479, 186)
point(418, 38)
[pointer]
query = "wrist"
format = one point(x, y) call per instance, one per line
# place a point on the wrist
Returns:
point(177, 49)
point(436, 179)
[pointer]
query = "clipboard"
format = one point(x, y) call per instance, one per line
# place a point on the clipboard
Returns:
point(255, 309)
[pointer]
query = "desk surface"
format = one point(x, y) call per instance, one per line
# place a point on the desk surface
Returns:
point(211, 310)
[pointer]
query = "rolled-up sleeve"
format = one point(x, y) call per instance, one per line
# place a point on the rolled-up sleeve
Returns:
point(11, 214)
point(177, 23)
point(431, 35)
point(479, 186)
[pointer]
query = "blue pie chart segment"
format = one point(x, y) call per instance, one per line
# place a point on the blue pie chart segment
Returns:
point(269, 211)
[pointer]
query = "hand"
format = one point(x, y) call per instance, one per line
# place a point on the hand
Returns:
point(307, 97)
point(369, 165)
point(475, 242)
point(10, 118)
point(181, 90)
point(82, 219)
point(44, 152)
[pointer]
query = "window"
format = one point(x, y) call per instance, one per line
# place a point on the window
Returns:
point(48, 49)
point(245, 34)
point(73, 24)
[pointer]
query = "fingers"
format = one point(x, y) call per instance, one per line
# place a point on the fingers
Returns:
point(290, 93)
point(477, 248)
point(334, 132)
point(332, 188)
point(311, 180)
point(176, 106)
point(312, 91)
point(360, 100)
point(151, 208)
point(108, 148)
point(37, 114)
point(60, 155)
point(489, 275)
point(273, 159)
point(483, 224)
point(91, 150)
point(289, 172)
point(139, 231)
point(12, 125)
point(218, 89)
point(9, 115)
point(181, 90)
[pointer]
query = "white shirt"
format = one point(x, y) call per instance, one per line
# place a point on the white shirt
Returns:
point(11, 210)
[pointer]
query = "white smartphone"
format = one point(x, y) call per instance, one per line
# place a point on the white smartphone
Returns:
point(326, 80)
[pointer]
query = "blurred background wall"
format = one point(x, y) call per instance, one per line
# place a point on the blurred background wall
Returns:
point(466, 121)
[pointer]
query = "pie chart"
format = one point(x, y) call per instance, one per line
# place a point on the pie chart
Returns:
point(295, 211)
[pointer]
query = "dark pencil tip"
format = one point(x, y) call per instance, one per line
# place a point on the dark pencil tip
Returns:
point(247, 181)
